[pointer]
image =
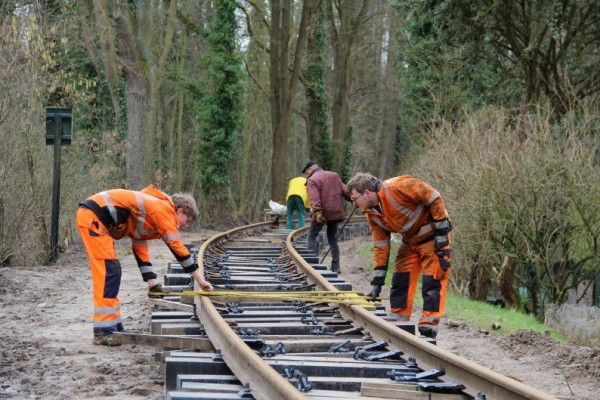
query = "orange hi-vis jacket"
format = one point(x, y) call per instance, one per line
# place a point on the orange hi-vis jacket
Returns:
point(142, 216)
point(410, 207)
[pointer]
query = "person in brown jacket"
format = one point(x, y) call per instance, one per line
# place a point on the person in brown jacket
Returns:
point(325, 192)
point(409, 206)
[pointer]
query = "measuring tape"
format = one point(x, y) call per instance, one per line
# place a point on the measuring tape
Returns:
point(338, 297)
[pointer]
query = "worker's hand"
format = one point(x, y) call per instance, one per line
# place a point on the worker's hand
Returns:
point(443, 250)
point(375, 292)
point(202, 283)
point(206, 286)
point(319, 217)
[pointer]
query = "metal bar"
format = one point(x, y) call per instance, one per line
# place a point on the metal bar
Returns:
point(55, 189)
point(338, 233)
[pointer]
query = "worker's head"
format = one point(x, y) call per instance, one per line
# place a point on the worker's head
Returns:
point(363, 190)
point(185, 205)
point(309, 167)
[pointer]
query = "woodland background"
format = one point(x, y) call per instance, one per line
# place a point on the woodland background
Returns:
point(493, 102)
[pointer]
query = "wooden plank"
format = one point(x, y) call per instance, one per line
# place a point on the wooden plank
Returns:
point(402, 391)
point(211, 387)
point(172, 305)
point(317, 394)
point(165, 341)
point(183, 328)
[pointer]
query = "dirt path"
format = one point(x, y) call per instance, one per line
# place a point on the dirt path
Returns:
point(46, 349)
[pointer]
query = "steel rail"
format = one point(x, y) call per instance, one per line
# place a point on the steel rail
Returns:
point(476, 378)
point(248, 367)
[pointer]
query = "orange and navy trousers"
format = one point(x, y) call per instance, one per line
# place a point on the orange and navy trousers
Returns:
point(106, 272)
point(413, 260)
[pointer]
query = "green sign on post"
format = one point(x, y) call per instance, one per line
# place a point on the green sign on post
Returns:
point(59, 126)
point(59, 120)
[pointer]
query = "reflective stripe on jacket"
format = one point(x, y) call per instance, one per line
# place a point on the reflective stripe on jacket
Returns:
point(409, 206)
point(297, 186)
point(142, 216)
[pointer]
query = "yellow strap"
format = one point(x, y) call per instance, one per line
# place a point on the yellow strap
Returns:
point(337, 297)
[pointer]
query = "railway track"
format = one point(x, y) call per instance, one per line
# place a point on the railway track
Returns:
point(247, 347)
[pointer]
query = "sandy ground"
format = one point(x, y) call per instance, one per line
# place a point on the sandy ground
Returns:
point(46, 349)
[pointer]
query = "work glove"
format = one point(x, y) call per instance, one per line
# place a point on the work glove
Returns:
point(375, 291)
point(378, 281)
point(319, 217)
point(443, 251)
point(442, 242)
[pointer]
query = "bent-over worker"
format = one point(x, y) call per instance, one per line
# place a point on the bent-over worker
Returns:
point(297, 200)
point(148, 214)
point(409, 206)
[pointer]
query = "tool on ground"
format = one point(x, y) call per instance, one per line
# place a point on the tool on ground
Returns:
point(349, 297)
point(340, 231)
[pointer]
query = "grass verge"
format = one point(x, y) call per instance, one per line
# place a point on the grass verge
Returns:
point(474, 313)
point(484, 316)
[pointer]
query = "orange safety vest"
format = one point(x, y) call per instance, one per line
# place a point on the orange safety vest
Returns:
point(142, 216)
point(410, 207)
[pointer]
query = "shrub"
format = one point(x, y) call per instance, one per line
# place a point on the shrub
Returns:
point(581, 324)
point(520, 187)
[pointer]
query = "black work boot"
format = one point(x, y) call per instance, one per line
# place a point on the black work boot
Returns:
point(106, 340)
point(335, 267)
point(428, 331)
point(156, 291)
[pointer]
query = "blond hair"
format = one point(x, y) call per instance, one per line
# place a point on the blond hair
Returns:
point(186, 202)
point(361, 182)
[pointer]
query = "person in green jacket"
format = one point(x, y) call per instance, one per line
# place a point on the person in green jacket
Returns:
point(297, 200)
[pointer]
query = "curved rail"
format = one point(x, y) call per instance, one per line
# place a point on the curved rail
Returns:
point(265, 382)
point(476, 378)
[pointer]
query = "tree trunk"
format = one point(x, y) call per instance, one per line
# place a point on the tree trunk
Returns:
point(252, 169)
point(340, 109)
point(390, 105)
point(351, 15)
point(95, 14)
point(319, 134)
point(139, 160)
point(179, 146)
point(507, 281)
point(283, 84)
point(278, 79)
point(143, 59)
point(478, 284)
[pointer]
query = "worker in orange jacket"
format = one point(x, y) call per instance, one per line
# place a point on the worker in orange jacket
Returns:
point(409, 206)
point(148, 214)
